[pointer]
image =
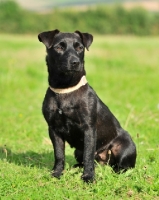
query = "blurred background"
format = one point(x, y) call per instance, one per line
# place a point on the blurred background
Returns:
point(97, 16)
point(123, 68)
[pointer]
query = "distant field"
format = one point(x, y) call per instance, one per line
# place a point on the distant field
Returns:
point(124, 71)
point(40, 5)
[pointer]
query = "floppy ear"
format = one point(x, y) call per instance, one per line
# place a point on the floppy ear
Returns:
point(87, 38)
point(47, 37)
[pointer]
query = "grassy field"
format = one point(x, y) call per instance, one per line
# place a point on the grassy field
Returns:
point(124, 71)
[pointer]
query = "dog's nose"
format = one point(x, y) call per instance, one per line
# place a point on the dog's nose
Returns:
point(74, 62)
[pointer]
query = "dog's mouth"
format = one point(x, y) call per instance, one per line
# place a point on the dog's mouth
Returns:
point(68, 70)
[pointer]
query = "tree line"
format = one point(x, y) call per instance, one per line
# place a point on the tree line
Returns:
point(100, 20)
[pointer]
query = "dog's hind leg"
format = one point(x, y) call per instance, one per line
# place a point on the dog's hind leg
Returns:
point(79, 157)
point(123, 151)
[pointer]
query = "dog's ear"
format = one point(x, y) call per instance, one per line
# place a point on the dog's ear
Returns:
point(87, 38)
point(48, 37)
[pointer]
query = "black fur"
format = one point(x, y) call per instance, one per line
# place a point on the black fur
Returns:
point(80, 117)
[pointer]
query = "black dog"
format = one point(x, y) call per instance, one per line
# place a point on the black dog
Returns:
point(75, 113)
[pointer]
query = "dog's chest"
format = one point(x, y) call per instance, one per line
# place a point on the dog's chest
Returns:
point(64, 116)
point(62, 112)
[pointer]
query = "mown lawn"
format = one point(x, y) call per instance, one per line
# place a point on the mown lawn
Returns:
point(124, 71)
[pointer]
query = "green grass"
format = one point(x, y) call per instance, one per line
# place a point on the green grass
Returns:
point(124, 72)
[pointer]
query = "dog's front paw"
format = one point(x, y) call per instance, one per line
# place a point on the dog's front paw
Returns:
point(88, 178)
point(56, 174)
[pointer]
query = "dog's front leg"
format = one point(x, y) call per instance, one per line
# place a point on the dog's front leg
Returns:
point(59, 154)
point(88, 156)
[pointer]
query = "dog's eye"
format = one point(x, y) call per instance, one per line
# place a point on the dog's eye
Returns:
point(79, 48)
point(60, 47)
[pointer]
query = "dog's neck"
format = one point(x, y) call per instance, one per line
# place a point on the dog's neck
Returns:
point(82, 82)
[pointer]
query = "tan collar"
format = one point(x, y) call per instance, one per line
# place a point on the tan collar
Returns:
point(82, 82)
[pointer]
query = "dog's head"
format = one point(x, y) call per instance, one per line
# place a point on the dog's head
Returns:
point(66, 50)
point(65, 56)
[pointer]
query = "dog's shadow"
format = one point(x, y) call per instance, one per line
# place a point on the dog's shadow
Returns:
point(33, 159)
